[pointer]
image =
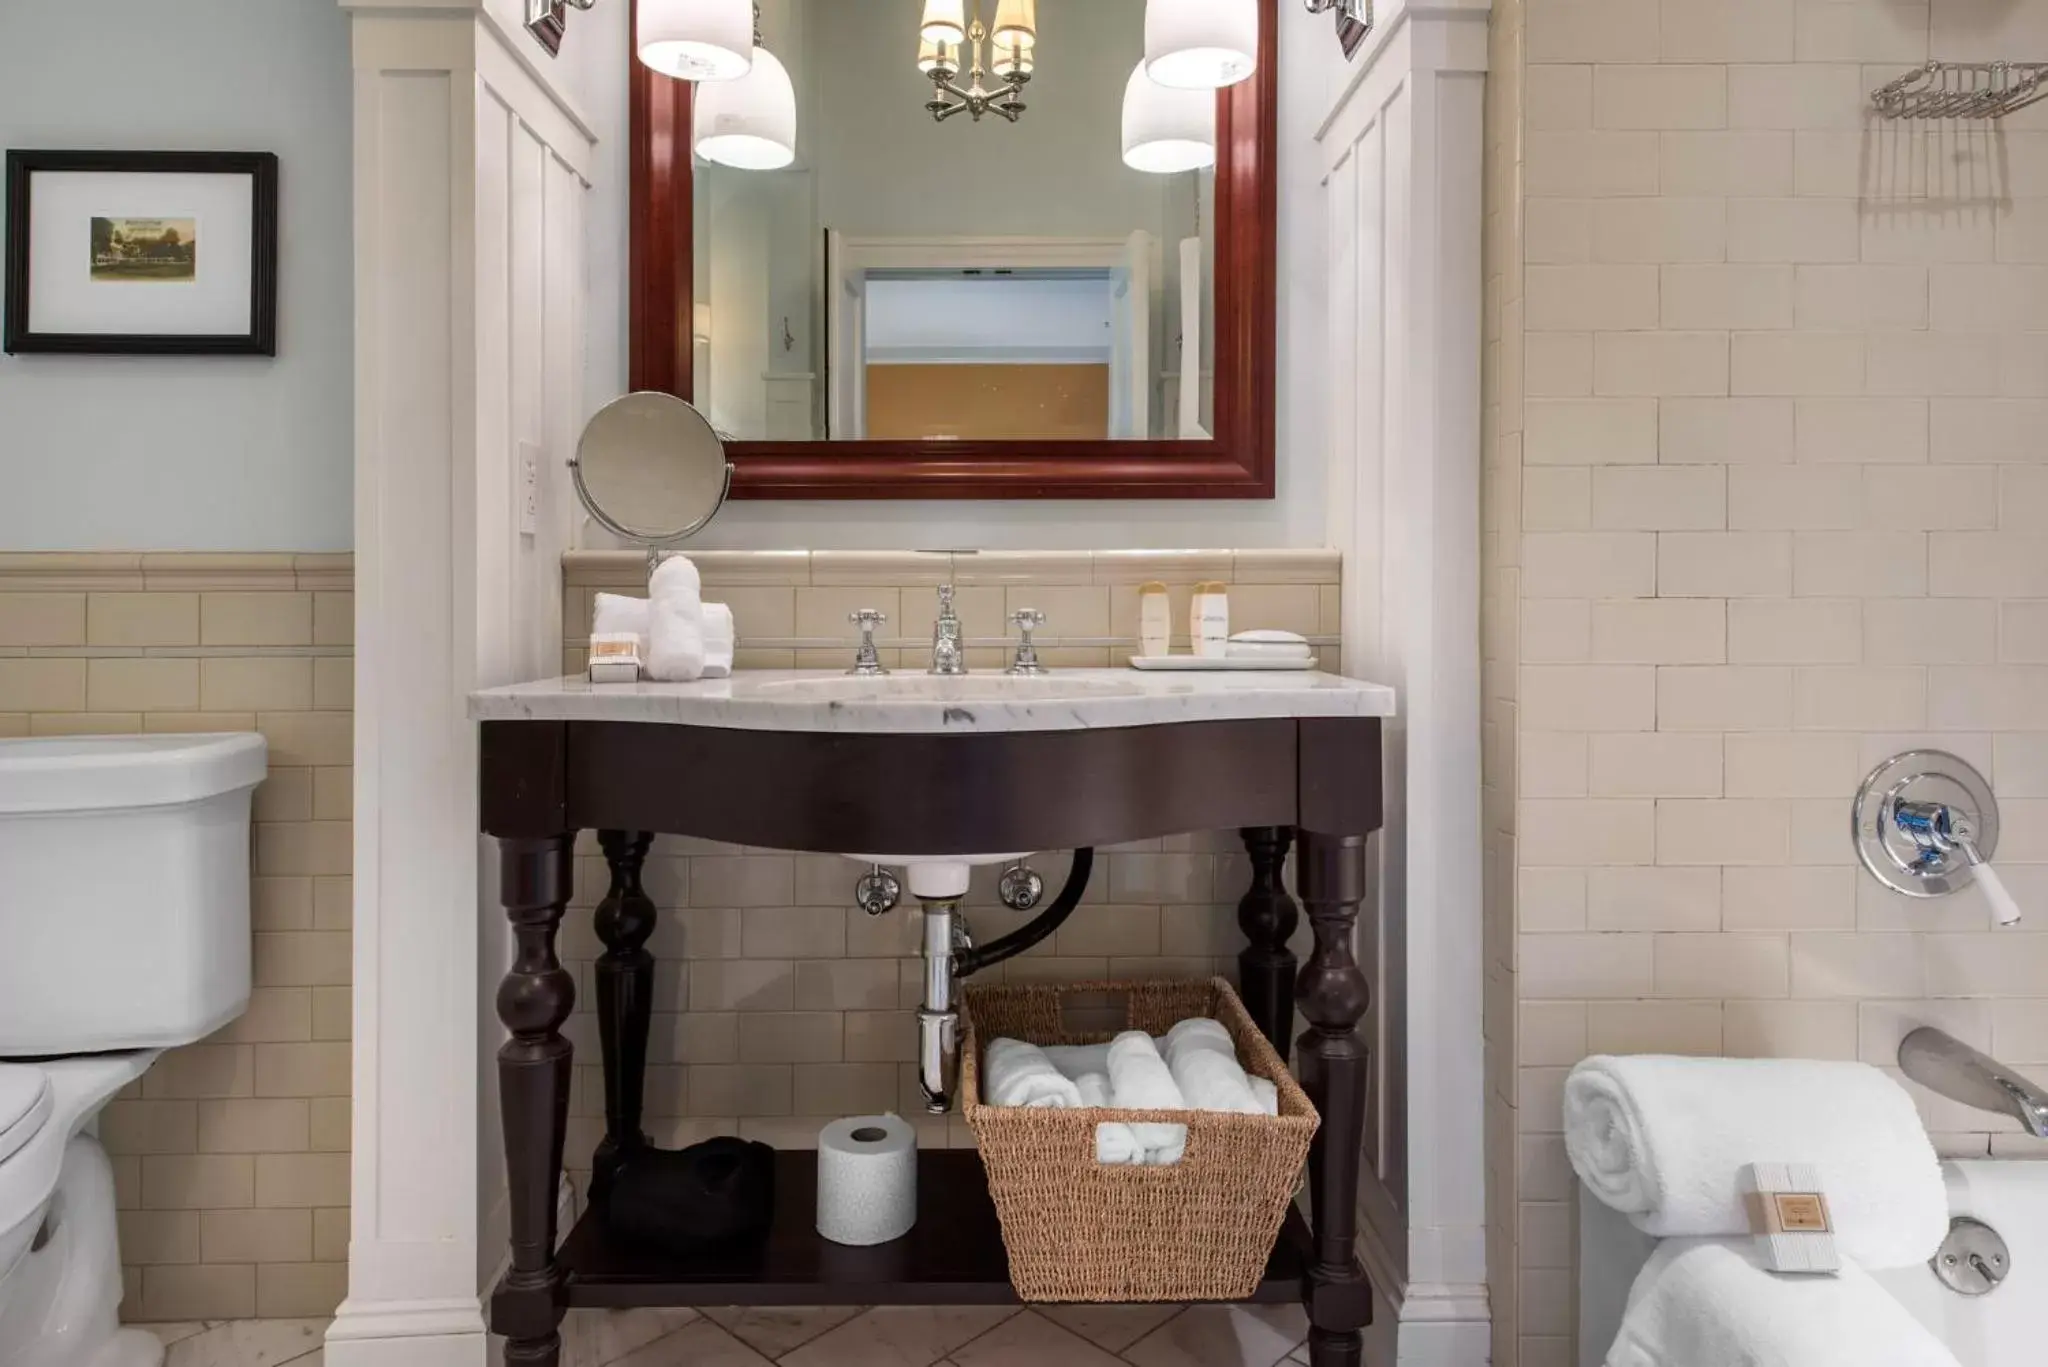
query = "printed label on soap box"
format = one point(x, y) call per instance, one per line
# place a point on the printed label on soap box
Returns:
point(1788, 1214)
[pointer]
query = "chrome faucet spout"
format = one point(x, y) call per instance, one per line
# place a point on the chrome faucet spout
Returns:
point(1942, 1063)
point(949, 655)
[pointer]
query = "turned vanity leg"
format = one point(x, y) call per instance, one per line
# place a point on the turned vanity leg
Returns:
point(1267, 915)
point(625, 995)
point(534, 999)
point(1333, 995)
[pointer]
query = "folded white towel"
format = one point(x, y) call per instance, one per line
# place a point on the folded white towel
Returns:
point(616, 614)
point(1268, 1093)
point(1019, 1074)
point(1114, 1141)
point(1664, 1140)
point(1711, 1303)
point(720, 637)
point(1140, 1081)
point(1203, 1060)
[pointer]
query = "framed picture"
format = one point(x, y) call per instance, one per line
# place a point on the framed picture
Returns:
point(142, 253)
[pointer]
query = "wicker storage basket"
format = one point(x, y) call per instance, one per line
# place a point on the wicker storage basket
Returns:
point(1079, 1230)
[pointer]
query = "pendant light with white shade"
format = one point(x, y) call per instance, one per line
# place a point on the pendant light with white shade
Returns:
point(1201, 44)
point(749, 123)
point(697, 40)
point(1166, 130)
point(945, 21)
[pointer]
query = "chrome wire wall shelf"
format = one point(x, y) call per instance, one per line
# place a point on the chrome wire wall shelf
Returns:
point(1962, 90)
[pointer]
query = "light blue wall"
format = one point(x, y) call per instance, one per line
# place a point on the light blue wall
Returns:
point(200, 453)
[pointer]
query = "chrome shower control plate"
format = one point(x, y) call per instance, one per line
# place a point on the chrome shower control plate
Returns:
point(1887, 842)
point(1973, 1260)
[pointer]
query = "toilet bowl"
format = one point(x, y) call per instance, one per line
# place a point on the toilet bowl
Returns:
point(124, 930)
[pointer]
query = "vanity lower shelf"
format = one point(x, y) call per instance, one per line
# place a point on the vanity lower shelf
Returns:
point(952, 1256)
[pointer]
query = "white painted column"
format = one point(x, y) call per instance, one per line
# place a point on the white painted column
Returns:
point(446, 596)
point(1402, 150)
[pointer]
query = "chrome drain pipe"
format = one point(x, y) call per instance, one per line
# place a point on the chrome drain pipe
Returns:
point(938, 1020)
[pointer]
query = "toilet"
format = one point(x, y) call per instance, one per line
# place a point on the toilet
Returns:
point(124, 930)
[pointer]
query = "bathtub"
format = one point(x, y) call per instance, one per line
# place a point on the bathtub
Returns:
point(2008, 1328)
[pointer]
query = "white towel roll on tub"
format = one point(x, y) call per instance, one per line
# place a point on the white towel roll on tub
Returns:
point(1664, 1141)
point(1711, 1303)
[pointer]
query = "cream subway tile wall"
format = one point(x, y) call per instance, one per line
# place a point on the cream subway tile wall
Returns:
point(794, 1007)
point(1779, 374)
point(231, 1155)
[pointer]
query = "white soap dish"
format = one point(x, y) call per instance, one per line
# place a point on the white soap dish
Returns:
point(1212, 664)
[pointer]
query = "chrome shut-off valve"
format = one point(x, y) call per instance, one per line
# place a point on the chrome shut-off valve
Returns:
point(877, 891)
point(1926, 825)
point(1021, 887)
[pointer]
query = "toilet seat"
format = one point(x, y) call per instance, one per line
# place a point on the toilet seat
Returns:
point(25, 1104)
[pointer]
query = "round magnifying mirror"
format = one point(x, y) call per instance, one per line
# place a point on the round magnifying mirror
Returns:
point(650, 468)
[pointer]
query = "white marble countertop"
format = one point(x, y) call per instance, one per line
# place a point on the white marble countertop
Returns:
point(915, 703)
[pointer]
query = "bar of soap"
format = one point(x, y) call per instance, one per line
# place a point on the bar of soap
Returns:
point(1788, 1214)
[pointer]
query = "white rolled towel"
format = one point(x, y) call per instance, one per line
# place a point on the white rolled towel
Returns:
point(1114, 1141)
point(1019, 1074)
point(1203, 1059)
point(614, 614)
point(1711, 1303)
point(675, 622)
point(720, 638)
point(1268, 1093)
point(1664, 1141)
point(1077, 1060)
point(1139, 1080)
point(675, 642)
point(676, 577)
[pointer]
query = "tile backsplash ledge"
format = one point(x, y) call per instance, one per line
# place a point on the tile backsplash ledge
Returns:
point(791, 606)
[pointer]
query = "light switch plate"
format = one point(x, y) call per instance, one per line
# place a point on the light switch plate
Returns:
point(529, 489)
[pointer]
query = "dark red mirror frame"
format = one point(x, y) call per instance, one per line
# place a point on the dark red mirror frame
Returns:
point(1237, 463)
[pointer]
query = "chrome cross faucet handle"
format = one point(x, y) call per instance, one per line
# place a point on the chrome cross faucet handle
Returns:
point(866, 663)
point(1028, 620)
point(948, 654)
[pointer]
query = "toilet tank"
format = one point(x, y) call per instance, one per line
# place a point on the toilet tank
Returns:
point(124, 889)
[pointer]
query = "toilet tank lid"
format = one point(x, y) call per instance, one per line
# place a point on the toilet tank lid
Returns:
point(24, 1105)
point(86, 773)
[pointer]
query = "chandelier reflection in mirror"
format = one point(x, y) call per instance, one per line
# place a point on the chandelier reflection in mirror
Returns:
point(952, 35)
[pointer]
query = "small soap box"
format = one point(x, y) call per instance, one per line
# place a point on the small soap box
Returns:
point(615, 658)
point(1788, 1214)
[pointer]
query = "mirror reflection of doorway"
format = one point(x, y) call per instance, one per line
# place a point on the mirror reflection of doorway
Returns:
point(941, 350)
point(997, 355)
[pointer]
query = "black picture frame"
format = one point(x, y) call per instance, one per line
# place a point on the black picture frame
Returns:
point(260, 340)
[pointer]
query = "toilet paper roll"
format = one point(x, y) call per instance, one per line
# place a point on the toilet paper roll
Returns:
point(867, 1179)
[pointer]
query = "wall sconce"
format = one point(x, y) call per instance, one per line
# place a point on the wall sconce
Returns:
point(547, 20)
point(1354, 20)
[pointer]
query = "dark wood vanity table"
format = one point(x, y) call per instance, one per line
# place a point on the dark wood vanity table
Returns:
point(554, 762)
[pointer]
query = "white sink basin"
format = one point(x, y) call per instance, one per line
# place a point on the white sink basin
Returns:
point(953, 688)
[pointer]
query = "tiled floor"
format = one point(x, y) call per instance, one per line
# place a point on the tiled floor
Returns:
point(1068, 1336)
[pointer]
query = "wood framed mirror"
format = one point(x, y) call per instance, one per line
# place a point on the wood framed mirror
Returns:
point(877, 322)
